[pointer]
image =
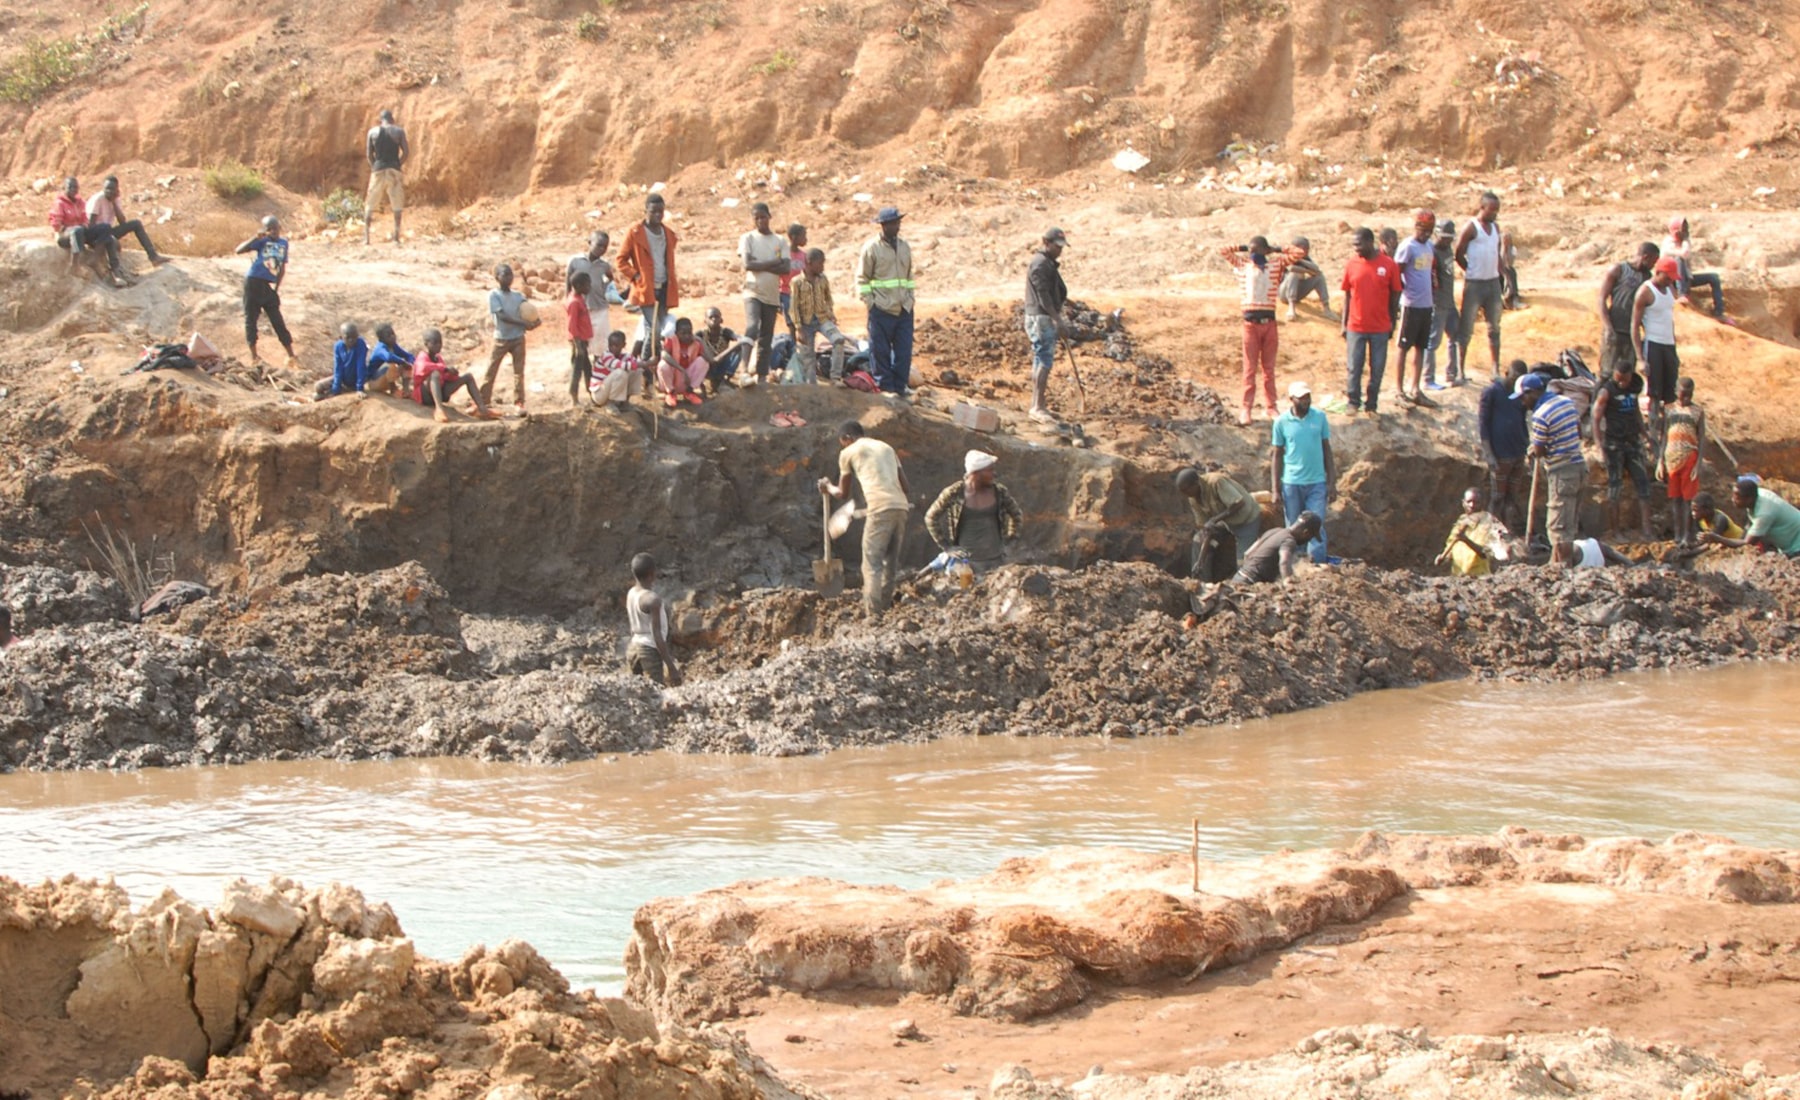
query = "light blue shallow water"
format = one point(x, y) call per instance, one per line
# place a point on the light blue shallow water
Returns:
point(469, 852)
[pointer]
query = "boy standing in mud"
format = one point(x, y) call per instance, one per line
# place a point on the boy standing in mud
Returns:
point(648, 653)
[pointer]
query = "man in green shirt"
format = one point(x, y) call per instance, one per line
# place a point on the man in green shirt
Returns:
point(1227, 520)
point(1774, 523)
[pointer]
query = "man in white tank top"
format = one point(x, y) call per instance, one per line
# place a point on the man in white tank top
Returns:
point(1653, 333)
point(1478, 254)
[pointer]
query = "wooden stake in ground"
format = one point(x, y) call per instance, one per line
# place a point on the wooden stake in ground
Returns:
point(1537, 465)
point(1196, 855)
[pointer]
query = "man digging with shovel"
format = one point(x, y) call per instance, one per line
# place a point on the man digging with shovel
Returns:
point(877, 469)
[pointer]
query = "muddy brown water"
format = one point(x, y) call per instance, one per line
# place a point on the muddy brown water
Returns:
point(469, 852)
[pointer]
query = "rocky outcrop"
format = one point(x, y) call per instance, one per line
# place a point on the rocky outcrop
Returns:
point(1038, 935)
point(281, 987)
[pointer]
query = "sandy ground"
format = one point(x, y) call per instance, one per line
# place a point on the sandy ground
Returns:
point(1492, 961)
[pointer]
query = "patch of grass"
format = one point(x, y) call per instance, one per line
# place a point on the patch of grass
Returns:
point(43, 65)
point(343, 206)
point(39, 69)
point(781, 62)
point(138, 574)
point(590, 28)
point(234, 180)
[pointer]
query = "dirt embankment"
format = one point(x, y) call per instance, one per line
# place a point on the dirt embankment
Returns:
point(1041, 934)
point(282, 990)
point(384, 664)
point(1107, 974)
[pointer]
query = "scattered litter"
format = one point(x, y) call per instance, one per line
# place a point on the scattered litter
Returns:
point(76, 367)
point(594, 215)
point(1763, 192)
point(728, 203)
point(1129, 160)
point(658, 187)
point(1743, 153)
point(862, 196)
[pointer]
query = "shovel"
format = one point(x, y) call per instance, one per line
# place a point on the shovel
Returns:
point(828, 574)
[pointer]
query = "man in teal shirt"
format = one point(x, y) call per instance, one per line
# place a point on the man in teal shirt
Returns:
point(1302, 473)
point(1774, 523)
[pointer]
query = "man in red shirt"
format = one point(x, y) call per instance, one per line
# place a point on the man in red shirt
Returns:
point(1260, 269)
point(1371, 302)
point(86, 244)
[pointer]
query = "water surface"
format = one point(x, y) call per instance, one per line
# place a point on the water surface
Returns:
point(470, 852)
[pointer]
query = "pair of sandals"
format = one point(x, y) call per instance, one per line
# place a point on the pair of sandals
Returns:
point(790, 419)
point(674, 400)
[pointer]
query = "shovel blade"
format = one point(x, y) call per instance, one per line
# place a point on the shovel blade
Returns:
point(829, 577)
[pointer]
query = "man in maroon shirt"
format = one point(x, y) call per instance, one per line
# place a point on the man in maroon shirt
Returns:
point(1371, 302)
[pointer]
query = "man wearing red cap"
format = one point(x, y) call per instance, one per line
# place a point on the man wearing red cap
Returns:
point(1418, 295)
point(1653, 334)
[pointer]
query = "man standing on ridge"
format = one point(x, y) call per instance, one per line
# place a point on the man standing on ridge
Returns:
point(262, 285)
point(647, 263)
point(1419, 276)
point(1262, 271)
point(884, 281)
point(765, 260)
point(1045, 295)
point(387, 151)
point(1618, 293)
point(1371, 303)
point(1302, 472)
point(1478, 254)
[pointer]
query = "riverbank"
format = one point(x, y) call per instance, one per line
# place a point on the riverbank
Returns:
point(1111, 959)
point(385, 665)
point(1531, 963)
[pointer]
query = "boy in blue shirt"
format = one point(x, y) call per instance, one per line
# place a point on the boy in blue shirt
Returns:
point(390, 365)
point(350, 365)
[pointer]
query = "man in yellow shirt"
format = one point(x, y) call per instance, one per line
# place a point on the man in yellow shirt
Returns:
point(1476, 541)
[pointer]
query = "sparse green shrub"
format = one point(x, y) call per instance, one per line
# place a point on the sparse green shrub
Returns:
point(343, 206)
point(780, 63)
point(234, 180)
point(42, 65)
point(590, 28)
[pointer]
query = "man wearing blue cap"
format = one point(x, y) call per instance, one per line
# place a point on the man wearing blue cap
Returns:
point(1555, 430)
point(884, 281)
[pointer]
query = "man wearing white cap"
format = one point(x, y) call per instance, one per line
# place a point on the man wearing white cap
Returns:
point(1302, 472)
point(976, 515)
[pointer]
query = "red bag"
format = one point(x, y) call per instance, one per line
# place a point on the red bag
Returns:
point(861, 380)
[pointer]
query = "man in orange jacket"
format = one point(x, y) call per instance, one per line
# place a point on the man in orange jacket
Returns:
point(647, 263)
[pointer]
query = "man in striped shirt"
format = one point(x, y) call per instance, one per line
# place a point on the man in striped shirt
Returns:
point(1260, 269)
point(1556, 441)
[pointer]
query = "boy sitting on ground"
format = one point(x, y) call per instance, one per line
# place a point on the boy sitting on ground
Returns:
point(349, 365)
point(390, 365)
point(618, 377)
point(684, 366)
point(434, 381)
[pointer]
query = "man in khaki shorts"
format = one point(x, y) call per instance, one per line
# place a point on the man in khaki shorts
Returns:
point(387, 152)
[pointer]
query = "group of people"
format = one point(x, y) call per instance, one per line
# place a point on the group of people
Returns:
point(92, 229)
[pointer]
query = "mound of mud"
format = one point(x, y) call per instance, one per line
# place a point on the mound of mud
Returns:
point(280, 990)
point(1038, 935)
point(379, 664)
point(1376, 1060)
